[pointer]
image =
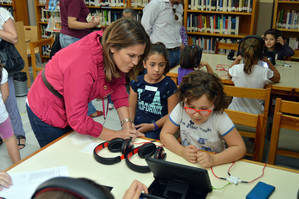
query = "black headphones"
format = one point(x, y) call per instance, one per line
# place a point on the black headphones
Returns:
point(261, 43)
point(79, 187)
point(144, 151)
point(114, 145)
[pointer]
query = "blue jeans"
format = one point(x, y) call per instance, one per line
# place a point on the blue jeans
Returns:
point(44, 132)
point(66, 40)
point(174, 57)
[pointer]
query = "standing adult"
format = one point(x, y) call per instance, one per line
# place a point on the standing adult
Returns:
point(162, 20)
point(74, 26)
point(93, 67)
point(8, 33)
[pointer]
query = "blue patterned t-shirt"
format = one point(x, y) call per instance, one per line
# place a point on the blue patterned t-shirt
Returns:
point(152, 101)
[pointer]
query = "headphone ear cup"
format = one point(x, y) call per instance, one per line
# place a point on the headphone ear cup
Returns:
point(115, 145)
point(126, 147)
point(147, 150)
point(160, 153)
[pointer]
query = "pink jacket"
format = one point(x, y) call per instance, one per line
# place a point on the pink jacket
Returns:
point(77, 73)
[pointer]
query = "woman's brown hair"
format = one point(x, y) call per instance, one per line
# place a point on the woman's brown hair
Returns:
point(120, 34)
point(199, 83)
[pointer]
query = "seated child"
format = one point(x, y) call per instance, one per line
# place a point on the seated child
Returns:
point(190, 60)
point(276, 46)
point(251, 74)
point(152, 95)
point(202, 123)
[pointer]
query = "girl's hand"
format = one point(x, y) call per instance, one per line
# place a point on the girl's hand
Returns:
point(280, 40)
point(135, 189)
point(205, 159)
point(5, 180)
point(145, 127)
point(190, 153)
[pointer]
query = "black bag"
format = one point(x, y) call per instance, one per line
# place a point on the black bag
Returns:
point(10, 57)
point(56, 46)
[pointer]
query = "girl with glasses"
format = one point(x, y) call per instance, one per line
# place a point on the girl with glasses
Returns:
point(204, 127)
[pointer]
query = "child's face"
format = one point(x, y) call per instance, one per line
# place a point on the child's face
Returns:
point(270, 41)
point(199, 110)
point(155, 66)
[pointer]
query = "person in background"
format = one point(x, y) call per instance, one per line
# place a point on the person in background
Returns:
point(6, 131)
point(203, 125)
point(57, 100)
point(275, 46)
point(129, 12)
point(162, 20)
point(8, 33)
point(190, 60)
point(74, 26)
point(251, 74)
point(184, 36)
point(152, 95)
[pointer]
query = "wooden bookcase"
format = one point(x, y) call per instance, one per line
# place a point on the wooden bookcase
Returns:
point(18, 8)
point(246, 26)
point(286, 23)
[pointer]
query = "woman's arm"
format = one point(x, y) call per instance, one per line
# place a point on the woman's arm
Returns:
point(9, 32)
point(235, 151)
point(5, 91)
point(132, 103)
point(276, 75)
point(74, 24)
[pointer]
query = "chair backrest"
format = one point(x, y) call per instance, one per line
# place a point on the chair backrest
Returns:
point(36, 47)
point(286, 115)
point(225, 46)
point(256, 121)
point(21, 47)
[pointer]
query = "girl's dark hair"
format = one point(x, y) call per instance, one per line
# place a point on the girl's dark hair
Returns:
point(197, 83)
point(1, 67)
point(122, 33)
point(251, 51)
point(160, 49)
point(190, 57)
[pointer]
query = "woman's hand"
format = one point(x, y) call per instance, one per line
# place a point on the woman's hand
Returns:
point(134, 191)
point(190, 153)
point(127, 133)
point(205, 159)
point(145, 127)
point(5, 180)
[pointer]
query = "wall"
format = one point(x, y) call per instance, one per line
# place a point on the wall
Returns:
point(31, 11)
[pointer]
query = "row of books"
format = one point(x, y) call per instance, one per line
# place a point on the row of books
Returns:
point(107, 16)
point(221, 5)
point(288, 19)
point(46, 14)
point(110, 3)
point(6, 1)
point(221, 24)
point(208, 44)
point(42, 2)
point(294, 42)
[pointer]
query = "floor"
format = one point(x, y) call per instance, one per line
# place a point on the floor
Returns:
point(111, 122)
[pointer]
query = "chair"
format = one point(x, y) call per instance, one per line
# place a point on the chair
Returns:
point(36, 61)
point(225, 46)
point(286, 116)
point(252, 125)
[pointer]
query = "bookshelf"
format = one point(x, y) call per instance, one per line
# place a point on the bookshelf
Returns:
point(208, 21)
point(286, 20)
point(18, 10)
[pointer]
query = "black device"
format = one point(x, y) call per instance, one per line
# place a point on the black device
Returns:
point(79, 187)
point(176, 181)
point(260, 191)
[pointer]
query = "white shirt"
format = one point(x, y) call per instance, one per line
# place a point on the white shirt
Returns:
point(159, 22)
point(4, 16)
point(3, 112)
point(258, 78)
point(206, 136)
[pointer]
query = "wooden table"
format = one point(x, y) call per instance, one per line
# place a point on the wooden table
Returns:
point(289, 73)
point(70, 151)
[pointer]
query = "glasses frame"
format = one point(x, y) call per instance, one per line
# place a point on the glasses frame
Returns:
point(199, 111)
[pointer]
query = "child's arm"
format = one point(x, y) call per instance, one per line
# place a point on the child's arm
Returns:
point(285, 51)
point(5, 91)
point(276, 75)
point(237, 61)
point(208, 67)
point(132, 103)
point(170, 142)
point(5, 180)
point(235, 151)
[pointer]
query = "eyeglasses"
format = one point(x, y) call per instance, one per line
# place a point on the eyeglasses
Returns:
point(203, 112)
point(176, 17)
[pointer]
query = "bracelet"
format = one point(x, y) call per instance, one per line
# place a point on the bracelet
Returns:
point(156, 126)
point(125, 121)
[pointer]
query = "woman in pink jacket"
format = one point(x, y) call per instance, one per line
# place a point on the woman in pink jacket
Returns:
point(93, 67)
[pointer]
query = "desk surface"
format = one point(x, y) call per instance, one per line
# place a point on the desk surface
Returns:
point(288, 73)
point(74, 152)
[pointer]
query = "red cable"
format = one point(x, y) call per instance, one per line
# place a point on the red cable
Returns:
point(259, 176)
point(215, 174)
